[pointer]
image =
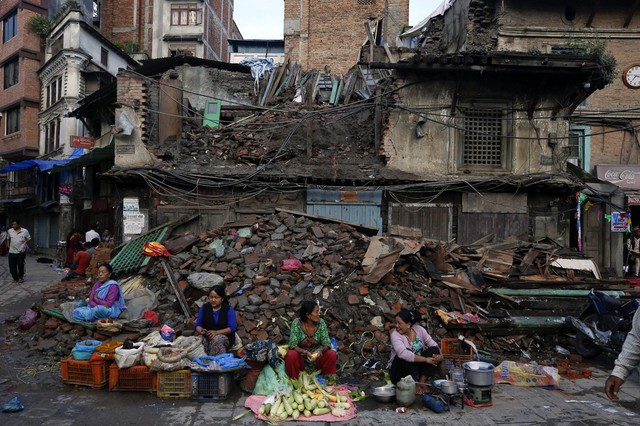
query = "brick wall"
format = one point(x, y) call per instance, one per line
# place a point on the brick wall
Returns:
point(319, 33)
point(27, 45)
point(609, 143)
point(133, 91)
point(121, 21)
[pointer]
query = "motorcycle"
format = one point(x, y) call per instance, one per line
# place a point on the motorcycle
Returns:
point(603, 325)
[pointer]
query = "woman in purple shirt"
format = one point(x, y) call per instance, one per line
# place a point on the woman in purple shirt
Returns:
point(413, 351)
point(216, 323)
point(105, 301)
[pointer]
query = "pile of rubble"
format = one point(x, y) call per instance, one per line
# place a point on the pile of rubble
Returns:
point(271, 264)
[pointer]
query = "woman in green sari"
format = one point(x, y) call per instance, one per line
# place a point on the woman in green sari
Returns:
point(309, 343)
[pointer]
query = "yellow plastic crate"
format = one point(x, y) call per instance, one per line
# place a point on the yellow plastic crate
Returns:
point(175, 384)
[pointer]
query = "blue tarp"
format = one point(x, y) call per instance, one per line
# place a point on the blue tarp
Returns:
point(43, 165)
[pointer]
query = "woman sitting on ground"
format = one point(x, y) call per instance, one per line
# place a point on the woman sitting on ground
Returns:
point(309, 343)
point(105, 301)
point(80, 264)
point(216, 323)
point(413, 351)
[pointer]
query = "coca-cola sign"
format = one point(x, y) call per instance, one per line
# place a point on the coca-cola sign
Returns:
point(623, 176)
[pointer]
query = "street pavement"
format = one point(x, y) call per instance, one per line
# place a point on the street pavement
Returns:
point(48, 401)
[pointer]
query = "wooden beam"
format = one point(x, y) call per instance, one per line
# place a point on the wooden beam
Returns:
point(594, 8)
point(632, 12)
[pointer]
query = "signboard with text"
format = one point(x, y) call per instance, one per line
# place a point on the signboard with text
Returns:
point(619, 222)
point(624, 176)
point(82, 142)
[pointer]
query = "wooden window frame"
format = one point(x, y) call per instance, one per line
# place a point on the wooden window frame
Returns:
point(180, 15)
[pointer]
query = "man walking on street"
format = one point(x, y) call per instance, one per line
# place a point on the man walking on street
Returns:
point(17, 240)
point(628, 360)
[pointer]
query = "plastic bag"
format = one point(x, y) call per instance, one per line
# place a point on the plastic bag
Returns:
point(12, 406)
point(126, 358)
point(520, 374)
point(27, 319)
point(138, 302)
point(291, 265)
point(271, 381)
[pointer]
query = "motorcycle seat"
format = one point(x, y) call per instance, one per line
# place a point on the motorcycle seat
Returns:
point(611, 303)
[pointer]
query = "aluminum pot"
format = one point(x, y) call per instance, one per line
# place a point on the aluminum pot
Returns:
point(479, 373)
point(448, 387)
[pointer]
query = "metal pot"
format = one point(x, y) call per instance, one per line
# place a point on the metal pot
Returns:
point(479, 373)
point(449, 387)
point(384, 393)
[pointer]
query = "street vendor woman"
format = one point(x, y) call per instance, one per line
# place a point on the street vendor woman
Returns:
point(216, 323)
point(309, 343)
point(413, 351)
point(105, 301)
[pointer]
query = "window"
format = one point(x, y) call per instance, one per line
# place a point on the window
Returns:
point(182, 51)
point(54, 92)
point(484, 142)
point(186, 14)
point(52, 136)
point(12, 121)
point(578, 150)
point(11, 73)
point(104, 56)
point(9, 27)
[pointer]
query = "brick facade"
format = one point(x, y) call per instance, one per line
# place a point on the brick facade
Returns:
point(323, 32)
point(26, 46)
point(610, 114)
point(128, 21)
point(132, 21)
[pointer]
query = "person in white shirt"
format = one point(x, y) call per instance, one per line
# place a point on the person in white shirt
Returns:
point(90, 235)
point(628, 360)
point(17, 241)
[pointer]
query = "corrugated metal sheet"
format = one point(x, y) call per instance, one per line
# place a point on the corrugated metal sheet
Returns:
point(130, 258)
point(360, 207)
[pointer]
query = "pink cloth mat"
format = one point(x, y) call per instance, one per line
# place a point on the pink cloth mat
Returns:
point(254, 402)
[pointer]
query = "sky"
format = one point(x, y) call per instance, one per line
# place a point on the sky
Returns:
point(263, 19)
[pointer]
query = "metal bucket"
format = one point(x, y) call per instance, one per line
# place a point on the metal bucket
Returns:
point(479, 373)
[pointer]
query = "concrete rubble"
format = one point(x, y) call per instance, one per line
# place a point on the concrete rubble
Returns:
point(361, 282)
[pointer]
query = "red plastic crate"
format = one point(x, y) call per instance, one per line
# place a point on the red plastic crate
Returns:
point(451, 349)
point(137, 378)
point(84, 373)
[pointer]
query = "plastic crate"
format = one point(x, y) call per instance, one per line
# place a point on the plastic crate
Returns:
point(137, 378)
point(211, 386)
point(84, 373)
point(451, 349)
point(175, 384)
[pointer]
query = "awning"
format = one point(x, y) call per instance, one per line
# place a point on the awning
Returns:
point(13, 200)
point(95, 156)
point(43, 165)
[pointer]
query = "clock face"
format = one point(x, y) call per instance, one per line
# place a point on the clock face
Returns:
point(631, 77)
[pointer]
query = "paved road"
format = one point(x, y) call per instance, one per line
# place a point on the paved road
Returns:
point(48, 401)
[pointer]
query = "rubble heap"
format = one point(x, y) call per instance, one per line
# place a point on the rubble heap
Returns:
point(359, 291)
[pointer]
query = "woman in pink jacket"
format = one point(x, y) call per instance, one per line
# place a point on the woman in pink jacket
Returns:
point(413, 351)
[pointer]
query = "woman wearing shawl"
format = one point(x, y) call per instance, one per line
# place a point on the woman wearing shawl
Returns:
point(105, 301)
point(216, 323)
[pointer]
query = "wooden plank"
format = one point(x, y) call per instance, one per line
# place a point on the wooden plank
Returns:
point(176, 288)
point(528, 259)
point(187, 263)
point(392, 58)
